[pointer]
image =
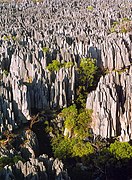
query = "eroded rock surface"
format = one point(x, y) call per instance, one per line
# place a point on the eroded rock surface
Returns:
point(35, 169)
point(32, 35)
point(30, 165)
point(112, 105)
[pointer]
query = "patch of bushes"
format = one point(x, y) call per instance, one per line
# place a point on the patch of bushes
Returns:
point(5, 72)
point(123, 26)
point(87, 71)
point(9, 161)
point(81, 149)
point(121, 150)
point(55, 65)
point(68, 64)
point(45, 49)
point(64, 147)
point(78, 124)
point(88, 74)
point(90, 8)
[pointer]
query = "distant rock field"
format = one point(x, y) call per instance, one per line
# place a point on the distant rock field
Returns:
point(32, 34)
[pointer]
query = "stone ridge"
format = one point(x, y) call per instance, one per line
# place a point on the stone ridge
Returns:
point(112, 105)
point(32, 35)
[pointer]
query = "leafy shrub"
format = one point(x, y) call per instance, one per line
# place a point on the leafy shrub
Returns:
point(54, 66)
point(61, 146)
point(70, 115)
point(64, 147)
point(83, 124)
point(45, 49)
point(5, 72)
point(78, 124)
point(76, 121)
point(90, 8)
point(5, 37)
point(68, 64)
point(81, 99)
point(81, 149)
point(88, 69)
point(121, 150)
point(14, 38)
point(123, 26)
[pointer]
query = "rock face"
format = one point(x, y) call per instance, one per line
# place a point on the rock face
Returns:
point(32, 35)
point(29, 165)
point(112, 105)
point(30, 148)
point(35, 169)
point(24, 143)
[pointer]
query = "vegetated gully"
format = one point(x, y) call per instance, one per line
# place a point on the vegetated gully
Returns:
point(44, 139)
point(38, 127)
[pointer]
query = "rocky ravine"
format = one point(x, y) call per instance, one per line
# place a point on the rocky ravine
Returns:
point(30, 166)
point(32, 35)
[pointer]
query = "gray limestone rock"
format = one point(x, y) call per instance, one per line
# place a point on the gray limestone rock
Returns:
point(32, 35)
point(112, 105)
point(38, 168)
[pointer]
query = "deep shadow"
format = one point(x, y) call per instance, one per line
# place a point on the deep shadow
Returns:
point(100, 166)
point(43, 138)
point(121, 96)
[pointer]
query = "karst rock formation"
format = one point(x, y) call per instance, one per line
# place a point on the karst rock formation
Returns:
point(34, 34)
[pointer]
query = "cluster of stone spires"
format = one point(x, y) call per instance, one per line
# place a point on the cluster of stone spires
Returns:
point(32, 35)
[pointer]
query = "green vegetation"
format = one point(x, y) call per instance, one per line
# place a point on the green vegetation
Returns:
point(90, 8)
point(125, 19)
point(120, 71)
point(123, 26)
point(70, 116)
point(5, 72)
point(37, 1)
point(68, 64)
point(64, 147)
point(81, 149)
point(5, 37)
point(88, 74)
point(87, 70)
point(61, 146)
point(14, 38)
point(45, 49)
point(77, 124)
point(121, 150)
point(9, 161)
point(55, 65)
point(75, 142)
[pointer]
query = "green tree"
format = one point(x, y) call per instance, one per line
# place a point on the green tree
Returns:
point(83, 124)
point(70, 116)
point(54, 66)
point(61, 146)
point(121, 150)
point(68, 64)
point(78, 124)
point(88, 69)
point(81, 149)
